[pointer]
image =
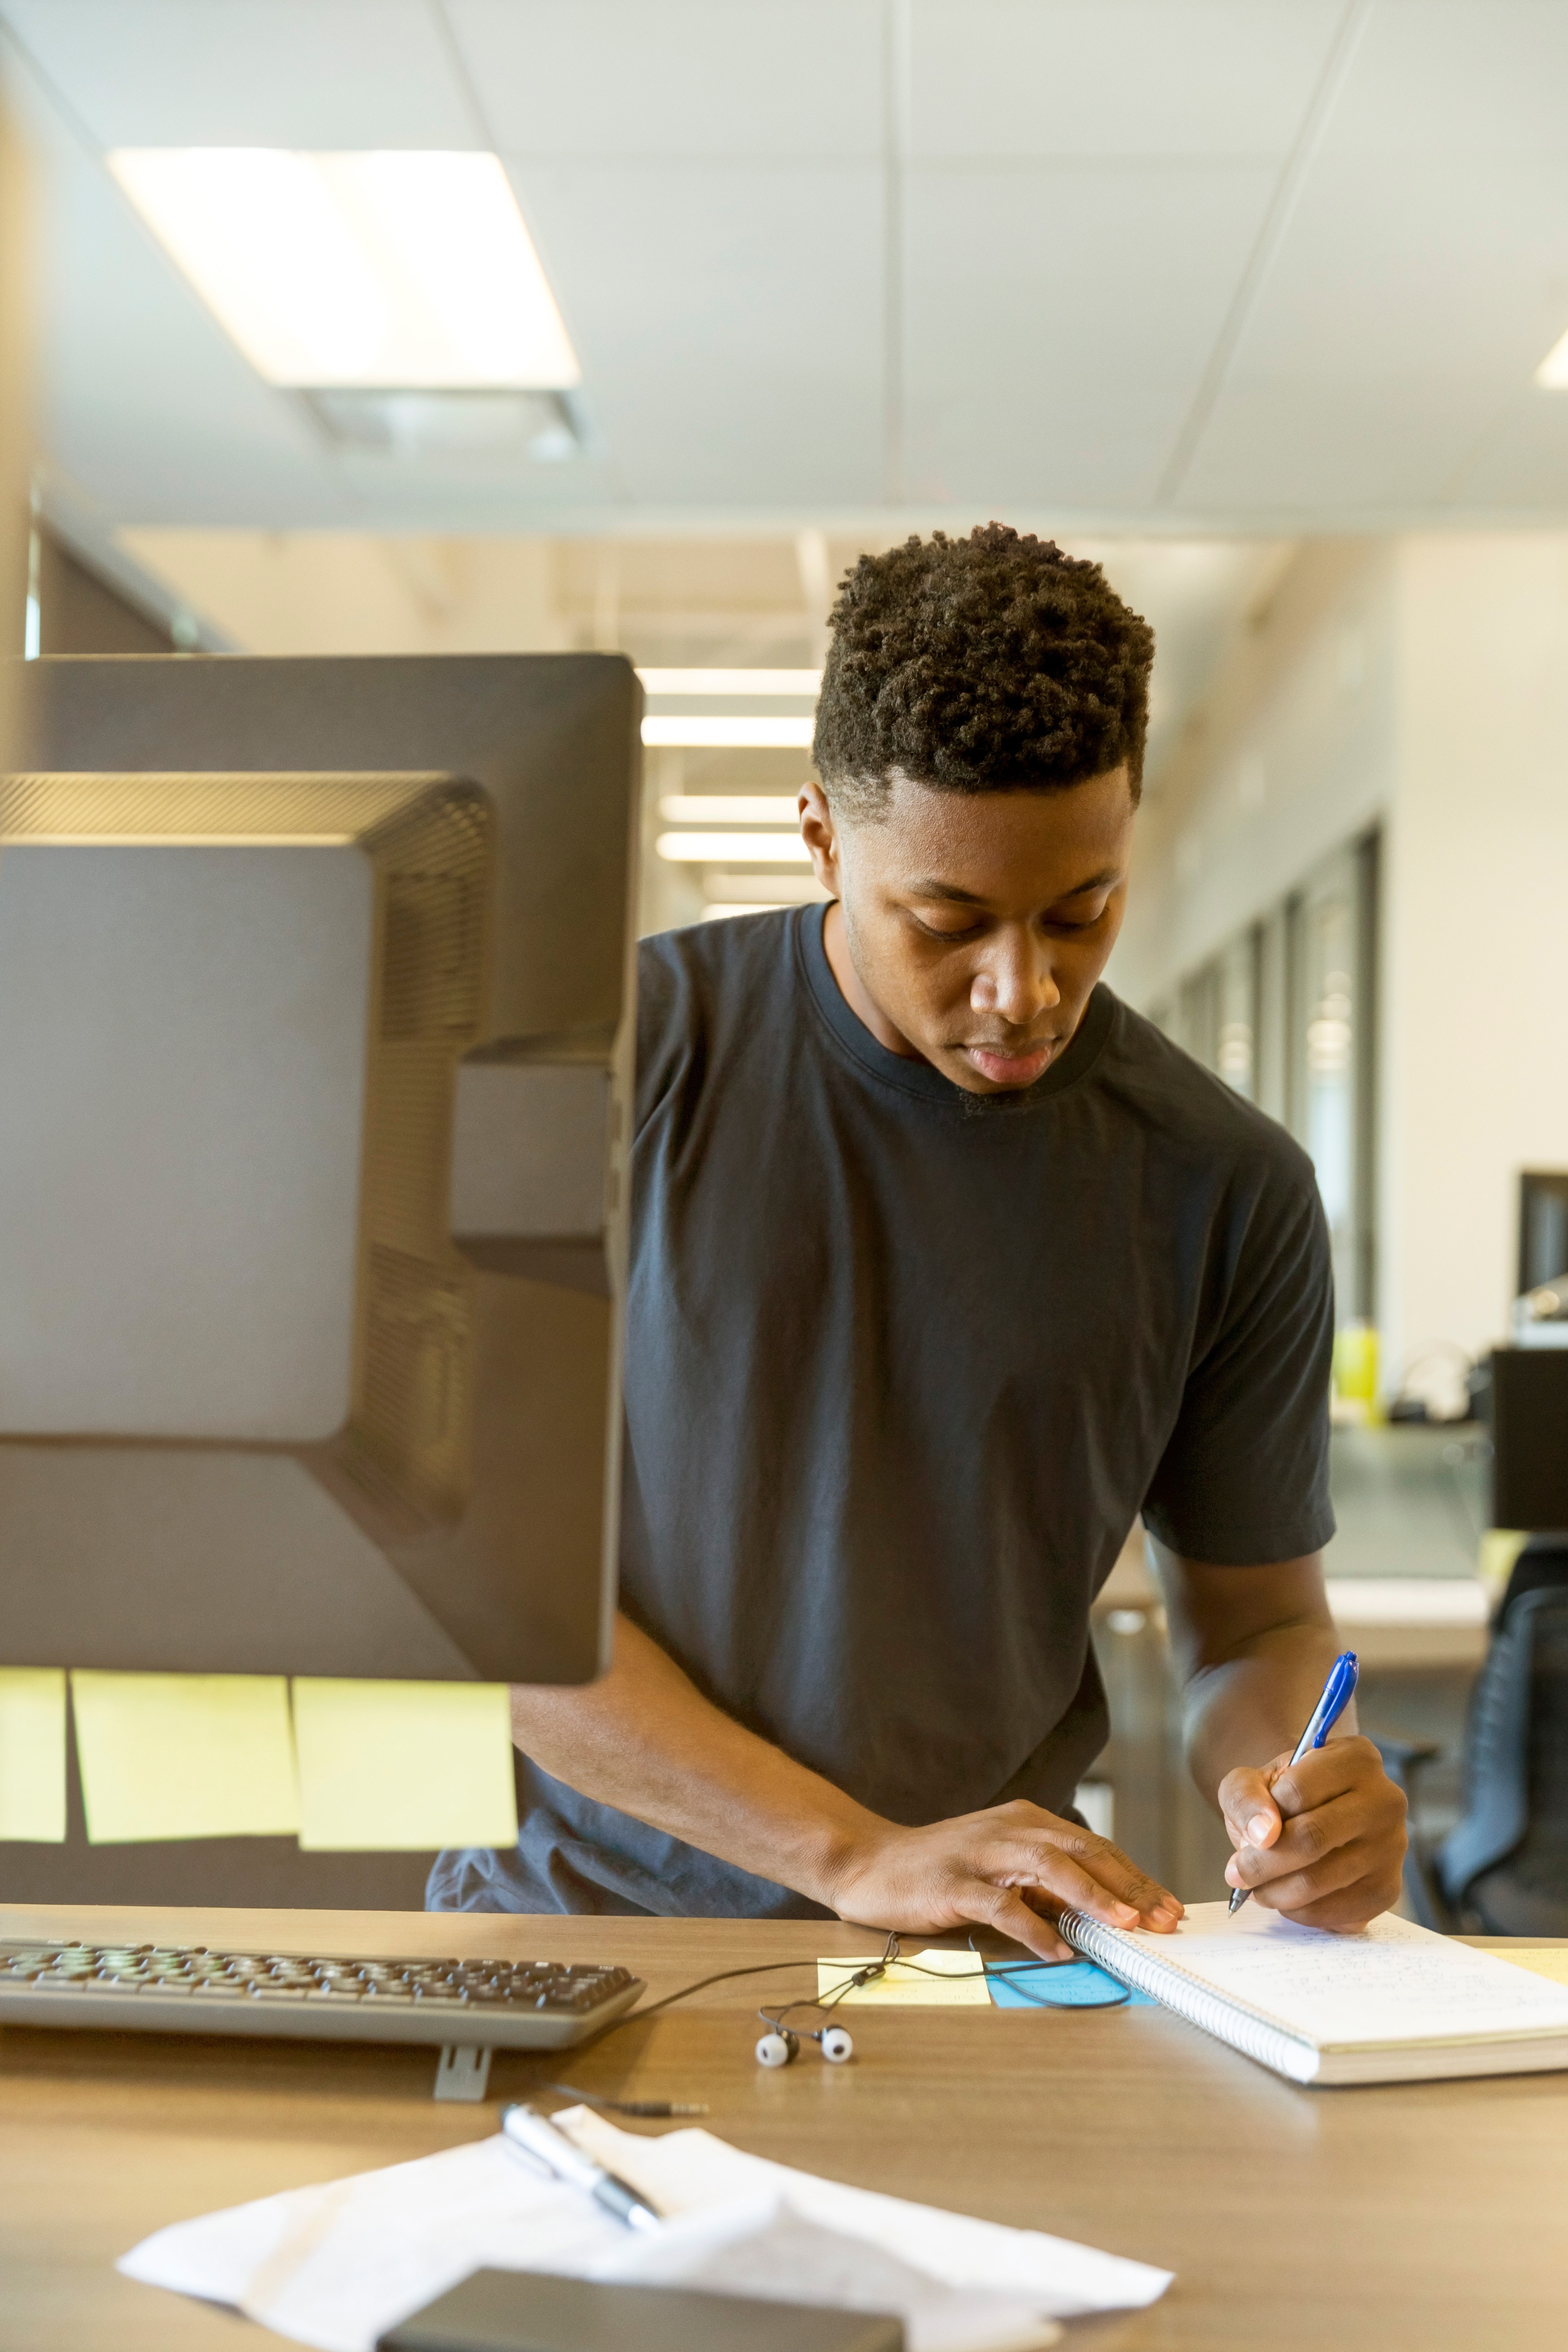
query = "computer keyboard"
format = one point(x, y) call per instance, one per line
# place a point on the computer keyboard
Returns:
point(477, 2003)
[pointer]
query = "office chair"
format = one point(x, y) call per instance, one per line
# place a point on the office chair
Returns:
point(1502, 1870)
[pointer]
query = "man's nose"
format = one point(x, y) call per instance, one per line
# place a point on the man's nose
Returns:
point(1015, 983)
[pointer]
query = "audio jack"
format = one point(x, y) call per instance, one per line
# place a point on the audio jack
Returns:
point(663, 2110)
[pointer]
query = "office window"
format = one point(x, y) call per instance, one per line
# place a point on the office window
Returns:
point(1235, 990)
point(1272, 1048)
point(1197, 1014)
point(1285, 1014)
point(1331, 937)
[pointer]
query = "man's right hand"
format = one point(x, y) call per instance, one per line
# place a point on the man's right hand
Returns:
point(1013, 1867)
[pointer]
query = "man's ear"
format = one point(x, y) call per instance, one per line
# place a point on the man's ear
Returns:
point(819, 831)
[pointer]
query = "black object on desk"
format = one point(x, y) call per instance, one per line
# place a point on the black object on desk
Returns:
point(1529, 1414)
point(531, 2311)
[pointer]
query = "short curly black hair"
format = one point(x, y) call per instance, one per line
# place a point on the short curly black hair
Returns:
point(980, 665)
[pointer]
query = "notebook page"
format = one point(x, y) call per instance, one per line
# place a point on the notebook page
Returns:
point(1393, 1982)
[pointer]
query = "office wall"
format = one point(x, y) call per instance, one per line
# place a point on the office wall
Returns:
point(1291, 756)
point(334, 592)
point(1421, 684)
point(1475, 1028)
point(15, 393)
point(80, 614)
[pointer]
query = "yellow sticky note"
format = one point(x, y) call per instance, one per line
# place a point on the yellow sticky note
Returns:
point(389, 1767)
point(1542, 1960)
point(33, 1754)
point(925, 1980)
point(184, 1756)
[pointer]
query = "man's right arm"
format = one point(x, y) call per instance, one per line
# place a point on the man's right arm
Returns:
point(644, 1739)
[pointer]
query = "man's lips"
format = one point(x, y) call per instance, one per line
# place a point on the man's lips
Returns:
point(1011, 1065)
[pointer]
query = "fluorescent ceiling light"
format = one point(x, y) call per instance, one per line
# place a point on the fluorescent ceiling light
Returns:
point(733, 849)
point(729, 808)
point(777, 889)
point(411, 272)
point(732, 681)
point(1552, 372)
point(737, 734)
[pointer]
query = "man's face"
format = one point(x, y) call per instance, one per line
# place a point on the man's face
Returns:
point(975, 925)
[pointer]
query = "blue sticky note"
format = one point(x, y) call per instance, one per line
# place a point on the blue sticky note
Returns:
point(1075, 1984)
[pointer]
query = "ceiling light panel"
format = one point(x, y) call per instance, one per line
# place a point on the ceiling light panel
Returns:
point(729, 808)
point(733, 849)
point(1552, 372)
point(739, 733)
point(403, 270)
point(808, 682)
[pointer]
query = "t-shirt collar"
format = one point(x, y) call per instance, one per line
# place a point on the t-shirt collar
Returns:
point(919, 1078)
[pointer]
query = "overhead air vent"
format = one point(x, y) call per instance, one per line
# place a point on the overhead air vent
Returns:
point(541, 426)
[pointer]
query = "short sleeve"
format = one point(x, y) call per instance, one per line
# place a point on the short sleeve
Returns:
point(1244, 1480)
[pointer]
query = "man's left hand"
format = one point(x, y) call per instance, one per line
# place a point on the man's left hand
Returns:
point(1322, 1840)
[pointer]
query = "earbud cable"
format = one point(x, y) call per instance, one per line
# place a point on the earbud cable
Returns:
point(891, 1955)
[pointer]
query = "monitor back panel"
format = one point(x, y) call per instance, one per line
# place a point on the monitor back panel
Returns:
point(316, 1081)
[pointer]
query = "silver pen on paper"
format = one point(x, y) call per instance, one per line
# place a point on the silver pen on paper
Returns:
point(527, 2129)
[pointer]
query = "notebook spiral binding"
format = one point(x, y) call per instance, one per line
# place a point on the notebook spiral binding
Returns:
point(1228, 2021)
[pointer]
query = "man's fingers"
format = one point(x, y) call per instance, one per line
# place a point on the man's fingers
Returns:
point(1247, 1804)
point(1004, 1908)
point(1317, 1895)
point(1093, 1861)
point(1302, 1841)
point(1366, 1897)
point(1041, 1863)
point(1341, 1768)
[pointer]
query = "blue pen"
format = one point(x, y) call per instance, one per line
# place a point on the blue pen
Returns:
point(1338, 1693)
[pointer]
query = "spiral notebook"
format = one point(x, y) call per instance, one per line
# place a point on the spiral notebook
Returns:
point(1394, 2003)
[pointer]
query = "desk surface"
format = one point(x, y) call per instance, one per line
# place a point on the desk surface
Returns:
point(1424, 2215)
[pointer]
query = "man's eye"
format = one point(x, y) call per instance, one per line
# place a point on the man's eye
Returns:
point(947, 931)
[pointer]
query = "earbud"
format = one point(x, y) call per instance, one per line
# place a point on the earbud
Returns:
point(781, 2046)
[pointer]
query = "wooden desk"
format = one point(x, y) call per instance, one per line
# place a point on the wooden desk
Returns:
point(1429, 2216)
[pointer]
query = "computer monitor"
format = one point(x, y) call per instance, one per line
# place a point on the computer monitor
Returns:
point(315, 1055)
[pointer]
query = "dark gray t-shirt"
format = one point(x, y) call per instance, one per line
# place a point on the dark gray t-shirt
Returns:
point(903, 1365)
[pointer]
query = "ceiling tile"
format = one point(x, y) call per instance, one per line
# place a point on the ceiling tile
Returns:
point(685, 79)
point(145, 406)
point(1521, 460)
point(1407, 305)
point(1210, 78)
point(1059, 319)
point(1455, 78)
point(238, 73)
point(729, 321)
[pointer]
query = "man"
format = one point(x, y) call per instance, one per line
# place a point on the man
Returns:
point(945, 1265)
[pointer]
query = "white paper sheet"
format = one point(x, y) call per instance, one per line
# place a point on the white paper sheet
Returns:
point(334, 2266)
point(1393, 1982)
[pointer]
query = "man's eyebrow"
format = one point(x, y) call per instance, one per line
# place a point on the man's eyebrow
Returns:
point(951, 892)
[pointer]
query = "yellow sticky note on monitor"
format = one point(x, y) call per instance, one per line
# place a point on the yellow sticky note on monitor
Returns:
point(33, 1754)
point(1540, 1959)
point(924, 1980)
point(404, 1766)
point(184, 1756)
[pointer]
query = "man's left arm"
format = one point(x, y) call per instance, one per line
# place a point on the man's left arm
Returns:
point(1323, 1839)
